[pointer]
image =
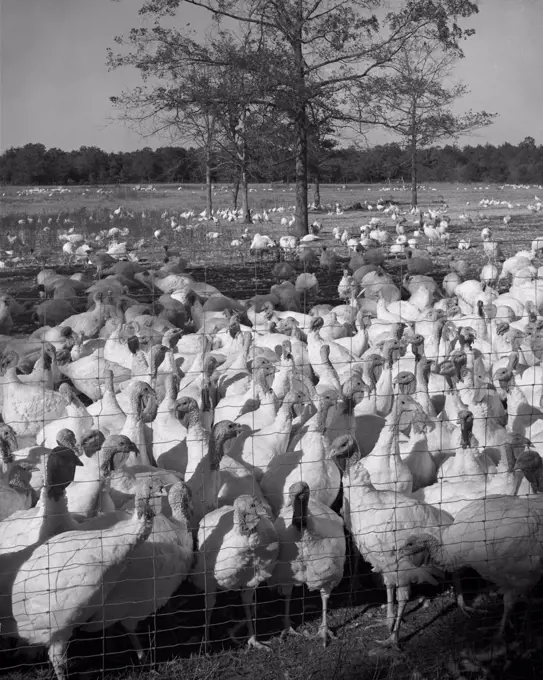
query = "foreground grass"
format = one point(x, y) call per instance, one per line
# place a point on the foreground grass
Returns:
point(437, 643)
point(37, 221)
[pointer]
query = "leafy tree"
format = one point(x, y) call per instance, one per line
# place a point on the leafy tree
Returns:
point(26, 165)
point(202, 92)
point(7, 164)
point(88, 160)
point(142, 165)
point(240, 121)
point(528, 143)
point(412, 100)
point(174, 164)
point(57, 165)
point(173, 101)
point(302, 51)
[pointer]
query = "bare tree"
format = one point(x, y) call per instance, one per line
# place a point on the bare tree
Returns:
point(413, 100)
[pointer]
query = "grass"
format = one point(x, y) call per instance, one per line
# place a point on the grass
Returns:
point(432, 638)
point(434, 641)
point(90, 210)
point(37, 219)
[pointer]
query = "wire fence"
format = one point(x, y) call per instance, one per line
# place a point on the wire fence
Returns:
point(228, 442)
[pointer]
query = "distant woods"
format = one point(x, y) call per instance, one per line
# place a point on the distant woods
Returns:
point(33, 164)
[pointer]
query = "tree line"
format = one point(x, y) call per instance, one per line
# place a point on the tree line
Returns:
point(34, 164)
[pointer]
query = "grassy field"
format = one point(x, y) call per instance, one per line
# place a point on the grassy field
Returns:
point(35, 217)
point(432, 638)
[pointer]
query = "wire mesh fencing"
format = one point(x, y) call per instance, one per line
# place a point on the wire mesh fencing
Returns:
point(214, 440)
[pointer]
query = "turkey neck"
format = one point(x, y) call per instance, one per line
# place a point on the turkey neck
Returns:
point(329, 371)
point(170, 394)
point(320, 417)
point(140, 367)
point(56, 516)
point(389, 432)
point(134, 424)
point(285, 413)
point(194, 423)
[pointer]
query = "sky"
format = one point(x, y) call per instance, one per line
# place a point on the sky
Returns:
point(55, 86)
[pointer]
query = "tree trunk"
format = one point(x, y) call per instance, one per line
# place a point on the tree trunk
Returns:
point(414, 193)
point(302, 222)
point(244, 179)
point(235, 193)
point(246, 213)
point(300, 127)
point(317, 191)
point(209, 186)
